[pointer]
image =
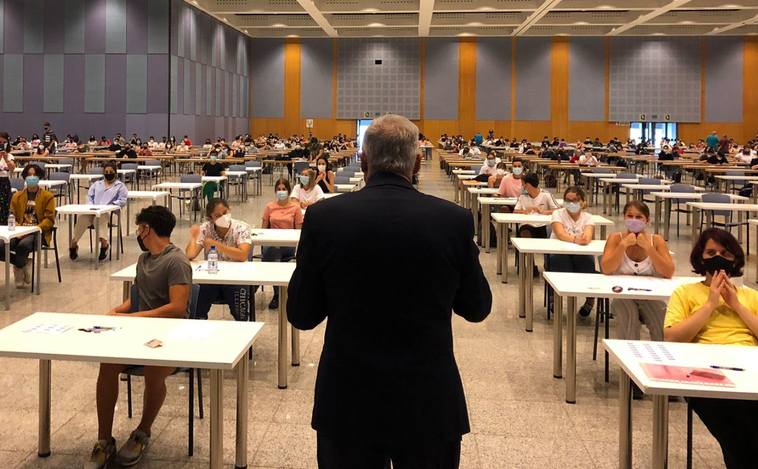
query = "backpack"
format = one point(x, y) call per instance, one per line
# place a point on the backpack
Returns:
point(551, 181)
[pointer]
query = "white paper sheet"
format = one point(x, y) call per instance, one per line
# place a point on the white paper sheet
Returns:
point(195, 330)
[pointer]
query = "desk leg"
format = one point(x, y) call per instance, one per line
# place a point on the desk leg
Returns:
point(118, 238)
point(295, 331)
point(243, 378)
point(475, 214)
point(499, 248)
point(667, 223)
point(506, 238)
point(97, 241)
point(628, 195)
point(7, 275)
point(527, 275)
point(39, 261)
point(217, 418)
point(558, 336)
point(128, 215)
point(740, 216)
point(657, 215)
point(521, 287)
point(604, 232)
point(43, 449)
point(127, 289)
point(486, 227)
point(282, 338)
point(571, 350)
point(625, 421)
point(660, 432)
point(695, 223)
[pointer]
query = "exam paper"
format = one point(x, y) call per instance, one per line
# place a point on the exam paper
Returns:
point(196, 330)
point(48, 329)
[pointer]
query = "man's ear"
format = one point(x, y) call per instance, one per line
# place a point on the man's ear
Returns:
point(364, 164)
point(417, 165)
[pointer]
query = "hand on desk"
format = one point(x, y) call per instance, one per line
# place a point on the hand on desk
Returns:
point(582, 240)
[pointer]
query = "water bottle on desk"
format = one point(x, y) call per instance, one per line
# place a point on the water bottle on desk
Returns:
point(11, 222)
point(213, 261)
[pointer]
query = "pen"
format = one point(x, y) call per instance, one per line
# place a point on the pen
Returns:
point(638, 289)
point(732, 368)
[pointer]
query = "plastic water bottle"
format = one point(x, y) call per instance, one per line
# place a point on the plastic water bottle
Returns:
point(11, 222)
point(213, 261)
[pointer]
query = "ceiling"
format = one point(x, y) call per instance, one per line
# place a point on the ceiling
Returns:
point(421, 18)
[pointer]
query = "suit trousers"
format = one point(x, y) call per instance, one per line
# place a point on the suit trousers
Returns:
point(353, 453)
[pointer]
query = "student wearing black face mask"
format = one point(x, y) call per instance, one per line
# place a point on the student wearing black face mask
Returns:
point(110, 191)
point(7, 165)
point(715, 311)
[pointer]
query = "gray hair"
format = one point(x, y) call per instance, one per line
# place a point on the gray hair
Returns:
point(390, 145)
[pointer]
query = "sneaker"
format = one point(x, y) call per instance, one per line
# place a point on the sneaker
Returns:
point(134, 448)
point(103, 253)
point(73, 253)
point(18, 275)
point(102, 454)
point(585, 310)
point(274, 303)
point(28, 273)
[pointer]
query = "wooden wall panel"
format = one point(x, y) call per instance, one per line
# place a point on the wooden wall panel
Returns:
point(292, 86)
point(559, 87)
point(466, 88)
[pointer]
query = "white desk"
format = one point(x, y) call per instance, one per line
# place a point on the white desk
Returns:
point(474, 194)
point(58, 166)
point(503, 219)
point(224, 349)
point(726, 179)
point(272, 237)
point(465, 184)
point(6, 236)
point(345, 187)
point(97, 211)
point(708, 207)
point(527, 248)
point(487, 203)
point(571, 285)
point(219, 180)
point(245, 274)
point(631, 354)
point(83, 177)
point(144, 195)
point(667, 197)
point(47, 184)
point(193, 187)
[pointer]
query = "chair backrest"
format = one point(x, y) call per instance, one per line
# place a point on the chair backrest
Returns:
point(718, 199)
point(341, 179)
point(602, 171)
point(655, 181)
point(98, 170)
point(300, 166)
point(129, 166)
point(253, 164)
point(17, 183)
point(237, 167)
point(684, 188)
point(152, 163)
point(191, 178)
point(736, 182)
point(59, 177)
point(194, 295)
point(626, 176)
point(66, 161)
point(347, 173)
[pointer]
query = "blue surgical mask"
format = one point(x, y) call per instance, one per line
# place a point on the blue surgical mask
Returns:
point(573, 207)
point(304, 180)
point(214, 158)
point(517, 171)
point(32, 181)
point(281, 195)
point(523, 191)
point(491, 162)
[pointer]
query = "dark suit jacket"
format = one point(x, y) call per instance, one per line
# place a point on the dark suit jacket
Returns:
point(388, 265)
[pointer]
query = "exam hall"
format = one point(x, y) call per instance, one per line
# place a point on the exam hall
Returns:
point(367, 234)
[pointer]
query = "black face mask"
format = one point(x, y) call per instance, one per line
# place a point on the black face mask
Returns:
point(141, 243)
point(109, 176)
point(717, 263)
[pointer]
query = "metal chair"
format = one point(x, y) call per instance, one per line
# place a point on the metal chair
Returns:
point(189, 178)
point(17, 183)
point(239, 181)
point(652, 181)
point(66, 161)
point(736, 182)
point(150, 174)
point(300, 166)
point(684, 189)
point(727, 214)
point(59, 192)
point(45, 249)
point(140, 371)
point(129, 177)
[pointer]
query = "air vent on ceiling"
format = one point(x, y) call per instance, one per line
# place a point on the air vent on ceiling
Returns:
point(450, 16)
point(397, 2)
point(500, 16)
point(607, 14)
point(231, 3)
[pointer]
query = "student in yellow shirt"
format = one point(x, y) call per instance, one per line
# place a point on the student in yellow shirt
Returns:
point(714, 311)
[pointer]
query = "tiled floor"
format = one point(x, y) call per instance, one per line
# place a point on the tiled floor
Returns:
point(518, 415)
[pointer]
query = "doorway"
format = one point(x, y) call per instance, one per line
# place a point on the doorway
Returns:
point(362, 125)
point(653, 132)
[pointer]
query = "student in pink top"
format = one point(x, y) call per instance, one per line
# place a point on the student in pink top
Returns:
point(511, 184)
point(282, 214)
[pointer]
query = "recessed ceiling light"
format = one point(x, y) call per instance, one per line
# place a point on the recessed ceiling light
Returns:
point(475, 23)
point(376, 25)
point(580, 23)
point(657, 34)
point(686, 22)
point(277, 25)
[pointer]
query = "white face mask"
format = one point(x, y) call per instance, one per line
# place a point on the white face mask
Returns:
point(224, 221)
point(321, 168)
point(500, 171)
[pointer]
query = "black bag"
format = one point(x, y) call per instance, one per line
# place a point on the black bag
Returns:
point(551, 181)
point(746, 191)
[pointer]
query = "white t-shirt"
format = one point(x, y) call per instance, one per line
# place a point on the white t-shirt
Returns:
point(311, 196)
point(571, 227)
point(588, 160)
point(544, 201)
point(4, 173)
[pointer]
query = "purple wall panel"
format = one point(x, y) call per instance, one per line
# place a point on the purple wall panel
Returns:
point(203, 89)
point(73, 77)
point(55, 32)
point(174, 19)
point(115, 84)
point(94, 28)
point(34, 78)
point(2, 64)
point(191, 90)
point(136, 31)
point(188, 15)
point(115, 123)
point(157, 83)
point(180, 87)
point(13, 27)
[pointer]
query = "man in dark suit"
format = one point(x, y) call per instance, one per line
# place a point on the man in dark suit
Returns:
point(388, 266)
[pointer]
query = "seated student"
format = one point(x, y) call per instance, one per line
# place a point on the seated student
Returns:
point(151, 143)
point(208, 146)
point(308, 191)
point(232, 239)
point(324, 175)
point(744, 155)
point(534, 201)
point(119, 140)
point(715, 311)
point(718, 158)
point(109, 191)
point(183, 148)
point(635, 252)
point(164, 280)
point(104, 142)
point(32, 206)
point(212, 168)
point(145, 150)
point(496, 179)
point(127, 152)
point(573, 224)
point(282, 214)
point(135, 141)
point(41, 151)
point(488, 168)
point(36, 140)
point(511, 185)
point(82, 147)
point(161, 146)
point(186, 141)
